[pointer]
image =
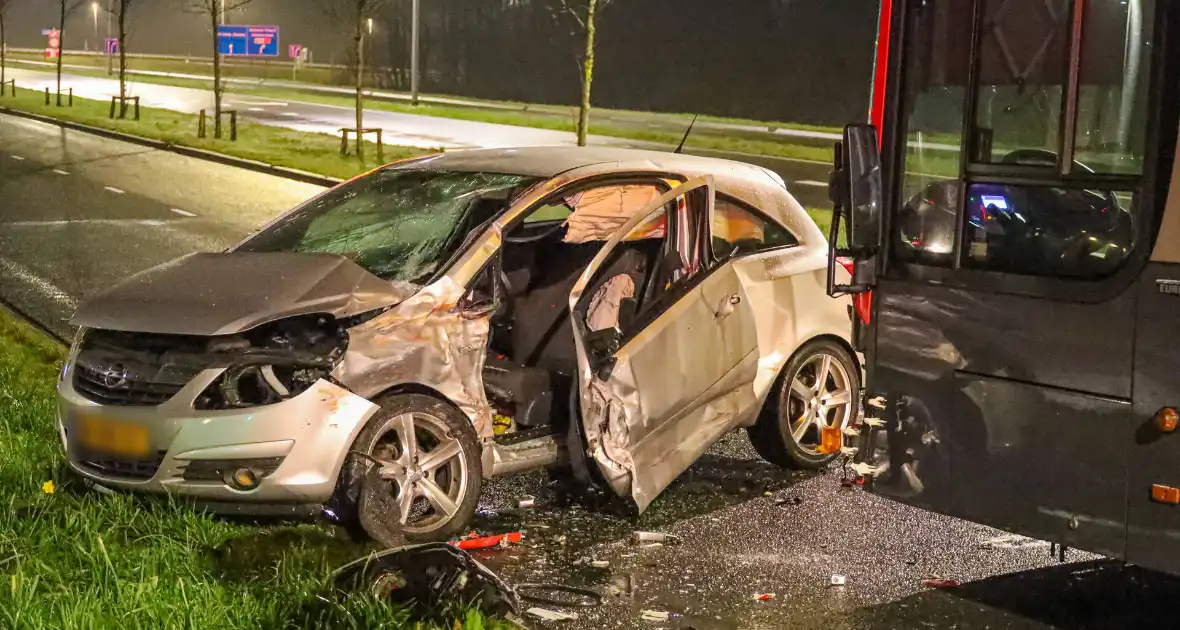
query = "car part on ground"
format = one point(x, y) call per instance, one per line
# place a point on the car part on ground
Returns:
point(431, 576)
point(819, 387)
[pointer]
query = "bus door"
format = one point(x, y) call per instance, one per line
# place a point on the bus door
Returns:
point(1018, 144)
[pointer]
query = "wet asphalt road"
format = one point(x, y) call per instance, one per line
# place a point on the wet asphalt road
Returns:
point(79, 212)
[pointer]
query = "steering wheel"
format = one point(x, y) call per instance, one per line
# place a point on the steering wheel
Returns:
point(1042, 157)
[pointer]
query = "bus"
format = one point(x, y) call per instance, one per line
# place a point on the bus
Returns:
point(1011, 217)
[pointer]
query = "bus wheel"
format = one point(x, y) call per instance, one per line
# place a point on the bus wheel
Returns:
point(819, 387)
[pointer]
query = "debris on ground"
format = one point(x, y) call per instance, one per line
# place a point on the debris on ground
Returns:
point(940, 583)
point(600, 564)
point(545, 614)
point(838, 580)
point(653, 615)
point(432, 575)
point(788, 501)
point(656, 537)
point(559, 595)
point(475, 541)
point(526, 503)
point(1012, 541)
point(763, 597)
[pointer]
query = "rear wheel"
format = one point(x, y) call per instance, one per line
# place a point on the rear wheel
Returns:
point(819, 387)
point(427, 455)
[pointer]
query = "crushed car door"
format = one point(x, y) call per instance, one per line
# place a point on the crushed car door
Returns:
point(649, 349)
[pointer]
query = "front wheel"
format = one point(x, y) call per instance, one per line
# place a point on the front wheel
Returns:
point(819, 387)
point(427, 455)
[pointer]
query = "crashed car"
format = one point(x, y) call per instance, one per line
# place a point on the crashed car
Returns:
point(450, 318)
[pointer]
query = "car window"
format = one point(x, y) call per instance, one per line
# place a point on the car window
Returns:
point(399, 224)
point(738, 230)
point(552, 211)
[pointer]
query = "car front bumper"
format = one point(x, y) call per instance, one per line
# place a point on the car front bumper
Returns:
point(303, 442)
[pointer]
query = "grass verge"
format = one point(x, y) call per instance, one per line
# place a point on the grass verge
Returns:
point(307, 151)
point(77, 559)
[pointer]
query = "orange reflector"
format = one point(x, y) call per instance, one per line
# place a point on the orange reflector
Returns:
point(1165, 494)
point(830, 440)
point(1166, 419)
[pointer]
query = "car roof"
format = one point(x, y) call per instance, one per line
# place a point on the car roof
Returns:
point(754, 185)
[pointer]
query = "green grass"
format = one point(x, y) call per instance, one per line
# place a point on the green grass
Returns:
point(312, 152)
point(79, 559)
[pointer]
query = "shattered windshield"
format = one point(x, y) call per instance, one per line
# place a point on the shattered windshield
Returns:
point(399, 224)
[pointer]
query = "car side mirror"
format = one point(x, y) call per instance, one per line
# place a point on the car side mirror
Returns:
point(601, 346)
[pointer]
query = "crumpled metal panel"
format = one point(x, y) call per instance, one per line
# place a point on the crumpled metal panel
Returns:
point(424, 340)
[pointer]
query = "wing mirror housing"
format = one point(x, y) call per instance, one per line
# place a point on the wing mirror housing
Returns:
point(601, 346)
point(858, 205)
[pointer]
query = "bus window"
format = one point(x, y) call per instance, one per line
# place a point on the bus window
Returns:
point(1023, 64)
point(935, 101)
point(1114, 78)
point(1074, 233)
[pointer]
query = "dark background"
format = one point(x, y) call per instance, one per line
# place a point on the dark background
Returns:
point(803, 61)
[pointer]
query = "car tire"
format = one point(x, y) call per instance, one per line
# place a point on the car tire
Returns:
point(786, 433)
point(438, 427)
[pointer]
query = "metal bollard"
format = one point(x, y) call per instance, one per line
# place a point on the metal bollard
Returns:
point(112, 112)
point(380, 148)
point(136, 108)
point(71, 97)
point(233, 125)
point(47, 97)
point(201, 125)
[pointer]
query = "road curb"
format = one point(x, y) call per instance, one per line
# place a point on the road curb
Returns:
point(20, 315)
point(193, 152)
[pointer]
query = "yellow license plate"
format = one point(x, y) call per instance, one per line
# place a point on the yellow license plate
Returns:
point(113, 437)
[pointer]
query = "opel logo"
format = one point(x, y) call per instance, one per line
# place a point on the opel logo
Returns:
point(114, 376)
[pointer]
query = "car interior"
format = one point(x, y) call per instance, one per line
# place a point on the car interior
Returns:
point(532, 363)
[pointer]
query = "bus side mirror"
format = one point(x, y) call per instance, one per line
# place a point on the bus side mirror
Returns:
point(857, 189)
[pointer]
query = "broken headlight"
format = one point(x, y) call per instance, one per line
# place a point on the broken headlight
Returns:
point(273, 362)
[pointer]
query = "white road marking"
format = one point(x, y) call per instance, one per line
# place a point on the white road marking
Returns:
point(255, 109)
point(263, 103)
point(113, 189)
point(183, 213)
point(811, 182)
point(60, 172)
point(18, 158)
point(47, 288)
point(61, 222)
point(289, 114)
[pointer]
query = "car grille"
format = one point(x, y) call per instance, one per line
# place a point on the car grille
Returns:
point(141, 469)
point(130, 393)
point(135, 370)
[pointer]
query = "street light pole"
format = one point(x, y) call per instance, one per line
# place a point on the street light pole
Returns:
point(110, 57)
point(414, 41)
point(94, 10)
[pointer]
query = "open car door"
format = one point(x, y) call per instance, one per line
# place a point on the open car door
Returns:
point(651, 354)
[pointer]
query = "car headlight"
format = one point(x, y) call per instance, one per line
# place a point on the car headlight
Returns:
point(273, 363)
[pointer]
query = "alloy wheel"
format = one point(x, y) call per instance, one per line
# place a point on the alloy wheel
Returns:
point(818, 395)
point(424, 463)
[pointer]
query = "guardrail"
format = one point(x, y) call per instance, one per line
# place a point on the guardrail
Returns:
point(225, 60)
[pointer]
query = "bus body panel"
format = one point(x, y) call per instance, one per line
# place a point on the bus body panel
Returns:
point(996, 414)
point(1153, 533)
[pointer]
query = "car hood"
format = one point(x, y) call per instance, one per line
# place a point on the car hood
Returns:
point(220, 294)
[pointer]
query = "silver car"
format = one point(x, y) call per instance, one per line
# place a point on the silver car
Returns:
point(455, 317)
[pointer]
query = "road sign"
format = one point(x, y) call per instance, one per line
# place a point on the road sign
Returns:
point(258, 41)
point(53, 51)
point(295, 51)
point(112, 46)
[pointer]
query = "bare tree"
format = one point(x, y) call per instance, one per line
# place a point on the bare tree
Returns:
point(4, 6)
point(585, 16)
point(215, 10)
point(356, 17)
point(122, 11)
point(67, 8)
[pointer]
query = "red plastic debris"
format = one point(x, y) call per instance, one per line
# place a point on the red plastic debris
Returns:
point(940, 583)
point(475, 541)
point(762, 597)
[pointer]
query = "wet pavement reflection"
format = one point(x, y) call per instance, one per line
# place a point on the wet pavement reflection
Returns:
point(747, 528)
